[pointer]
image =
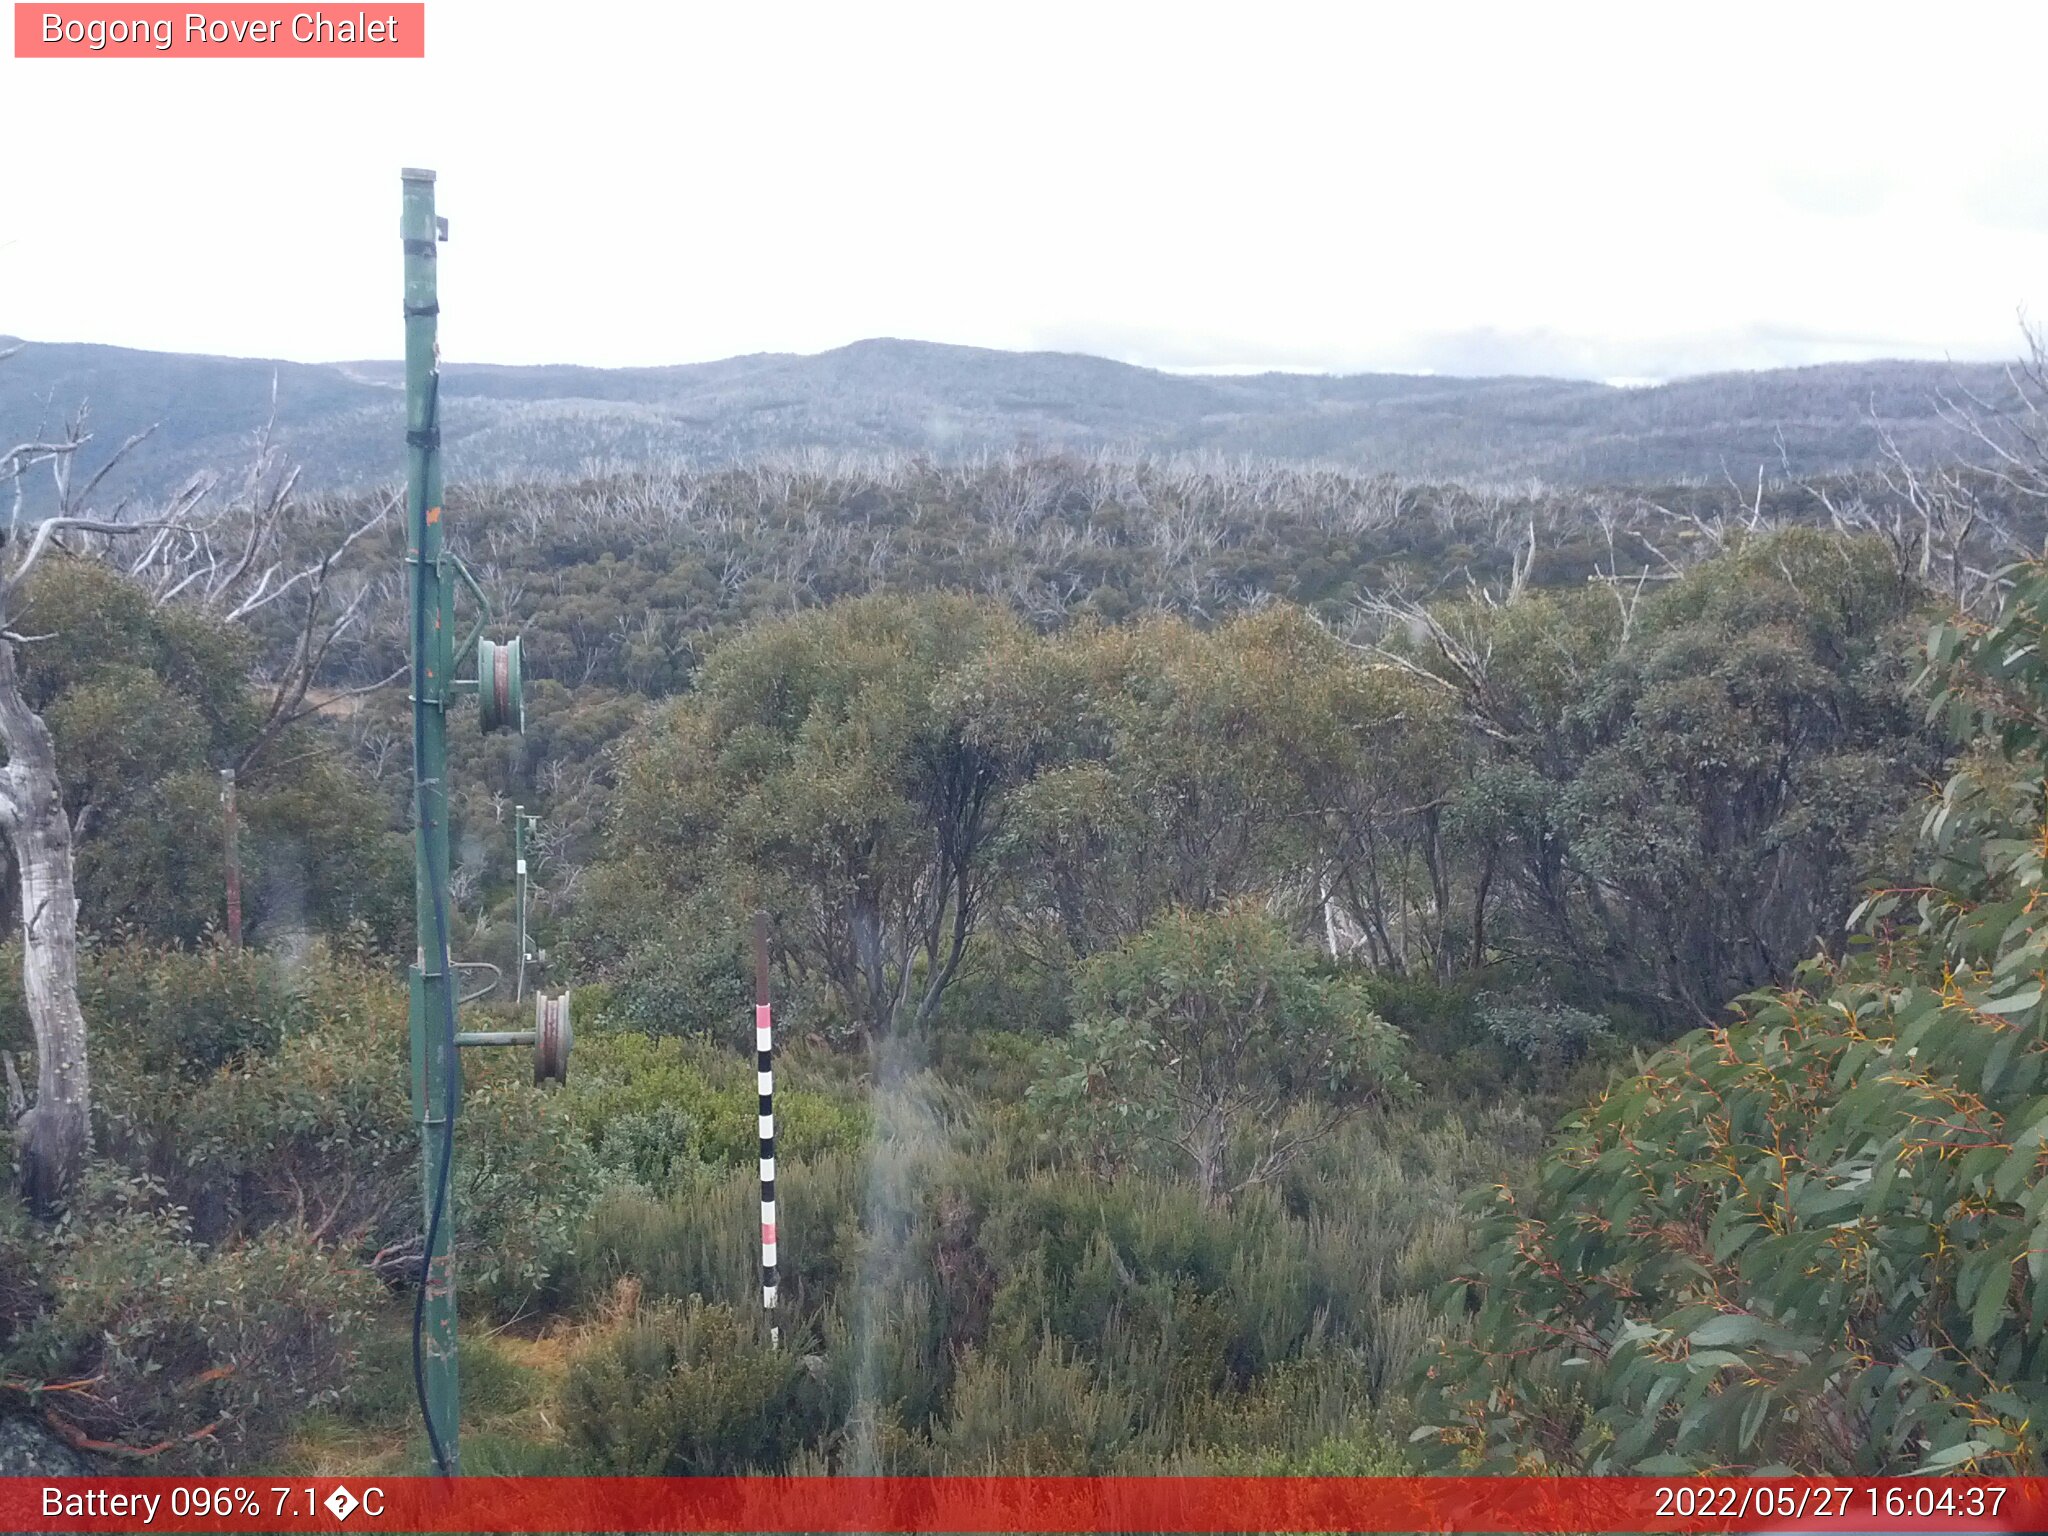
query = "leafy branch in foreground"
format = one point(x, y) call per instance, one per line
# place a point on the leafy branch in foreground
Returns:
point(1816, 1239)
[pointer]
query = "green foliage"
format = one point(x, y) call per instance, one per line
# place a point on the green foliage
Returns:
point(969, 1315)
point(1039, 1414)
point(689, 980)
point(1183, 767)
point(1009, 984)
point(187, 1013)
point(677, 1390)
point(199, 1355)
point(106, 635)
point(1083, 855)
point(313, 1129)
point(262, 1095)
point(1812, 1239)
point(1363, 1452)
point(703, 1239)
point(1651, 807)
point(1507, 1038)
point(1549, 1036)
point(322, 851)
point(1681, 802)
point(146, 705)
point(653, 1108)
point(1218, 1042)
point(523, 1180)
point(818, 768)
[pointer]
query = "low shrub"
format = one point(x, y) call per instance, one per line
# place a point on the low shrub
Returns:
point(1548, 1037)
point(199, 1357)
point(317, 1132)
point(1211, 1046)
point(692, 982)
point(672, 1389)
point(650, 1106)
point(1044, 1414)
point(704, 1238)
point(187, 1013)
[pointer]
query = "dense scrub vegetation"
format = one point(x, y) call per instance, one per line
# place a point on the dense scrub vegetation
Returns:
point(1660, 808)
point(1186, 889)
point(622, 586)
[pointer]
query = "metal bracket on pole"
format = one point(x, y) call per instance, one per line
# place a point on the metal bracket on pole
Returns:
point(483, 612)
point(481, 992)
point(550, 1037)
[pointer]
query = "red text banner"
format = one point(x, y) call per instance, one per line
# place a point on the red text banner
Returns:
point(230, 31)
point(1020, 1504)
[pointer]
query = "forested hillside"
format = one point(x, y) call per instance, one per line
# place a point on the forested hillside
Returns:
point(951, 403)
point(1187, 887)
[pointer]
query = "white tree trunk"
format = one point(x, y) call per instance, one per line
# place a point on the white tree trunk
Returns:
point(55, 1134)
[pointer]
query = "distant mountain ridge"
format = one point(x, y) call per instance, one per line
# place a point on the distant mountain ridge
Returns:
point(343, 421)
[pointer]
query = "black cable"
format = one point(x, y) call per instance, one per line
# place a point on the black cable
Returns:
point(419, 704)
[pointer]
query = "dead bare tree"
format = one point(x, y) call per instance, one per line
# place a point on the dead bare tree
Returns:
point(248, 562)
point(1949, 524)
point(1626, 588)
point(2010, 435)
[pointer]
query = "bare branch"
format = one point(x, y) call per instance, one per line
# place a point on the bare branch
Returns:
point(113, 459)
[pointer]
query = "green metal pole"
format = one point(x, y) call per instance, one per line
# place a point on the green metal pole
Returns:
point(519, 877)
point(433, 611)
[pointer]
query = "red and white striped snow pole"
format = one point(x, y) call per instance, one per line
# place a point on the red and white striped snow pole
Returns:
point(764, 1069)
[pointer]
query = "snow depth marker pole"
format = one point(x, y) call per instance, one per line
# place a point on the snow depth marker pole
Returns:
point(764, 1070)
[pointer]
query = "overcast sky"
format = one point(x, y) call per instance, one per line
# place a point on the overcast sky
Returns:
point(1629, 191)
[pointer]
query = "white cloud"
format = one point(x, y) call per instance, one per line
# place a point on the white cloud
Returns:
point(1609, 190)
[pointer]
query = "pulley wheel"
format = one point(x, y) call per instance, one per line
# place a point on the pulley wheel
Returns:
point(551, 1038)
point(501, 696)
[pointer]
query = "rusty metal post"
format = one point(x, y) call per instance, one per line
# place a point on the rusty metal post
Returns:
point(232, 853)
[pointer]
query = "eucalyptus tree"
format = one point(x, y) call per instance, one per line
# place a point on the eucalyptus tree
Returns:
point(1181, 767)
point(823, 767)
point(1668, 800)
